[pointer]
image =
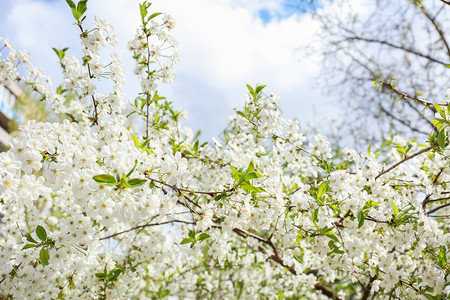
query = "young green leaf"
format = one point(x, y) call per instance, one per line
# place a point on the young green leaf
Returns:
point(203, 236)
point(76, 14)
point(132, 170)
point(395, 208)
point(153, 16)
point(135, 182)
point(322, 189)
point(71, 4)
point(30, 239)
point(28, 246)
point(82, 6)
point(361, 218)
point(105, 179)
point(186, 241)
point(100, 276)
point(442, 257)
point(315, 215)
point(113, 274)
point(259, 88)
point(441, 139)
point(41, 233)
point(44, 256)
point(136, 141)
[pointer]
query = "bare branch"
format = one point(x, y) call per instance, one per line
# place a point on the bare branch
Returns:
point(438, 208)
point(436, 26)
point(403, 160)
point(389, 44)
point(146, 225)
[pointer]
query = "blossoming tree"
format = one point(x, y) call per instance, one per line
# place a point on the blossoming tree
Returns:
point(92, 210)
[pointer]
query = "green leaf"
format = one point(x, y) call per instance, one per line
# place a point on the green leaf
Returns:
point(125, 184)
point(186, 241)
point(447, 65)
point(100, 275)
point(44, 256)
point(82, 6)
point(76, 14)
point(113, 274)
point(315, 215)
point(71, 4)
point(41, 233)
point(136, 141)
point(203, 236)
point(442, 258)
point(251, 166)
point(242, 114)
point(153, 16)
point(61, 53)
point(105, 179)
point(249, 188)
point(30, 239)
point(441, 138)
point(28, 246)
point(259, 88)
point(191, 234)
point(432, 297)
point(236, 173)
point(251, 176)
point(250, 89)
point(143, 11)
point(370, 204)
point(332, 236)
point(438, 124)
point(395, 208)
point(135, 182)
point(322, 189)
point(361, 218)
point(132, 170)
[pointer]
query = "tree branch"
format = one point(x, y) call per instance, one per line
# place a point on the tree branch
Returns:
point(438, 208)
point(437, 27)
point(402, 161)
point(275, 257)
point(146, 225)
point(389, 44)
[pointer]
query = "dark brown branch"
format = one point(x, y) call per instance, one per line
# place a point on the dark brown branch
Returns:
point(389, 44)
point(10, 273)
point(405, 95)
point(212, 194)
point(369, 218)
point(90, 77)
point(427, 197)
point(146, 225)
point(438, 28)
point(275, 257)
point(401, 121)
point(402, 161)
point(367, 288)
point(438, 208)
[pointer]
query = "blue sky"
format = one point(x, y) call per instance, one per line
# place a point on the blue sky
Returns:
point(223, 45)
point(288, 9)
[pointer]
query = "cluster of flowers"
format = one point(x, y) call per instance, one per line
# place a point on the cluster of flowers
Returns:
point(87, 204)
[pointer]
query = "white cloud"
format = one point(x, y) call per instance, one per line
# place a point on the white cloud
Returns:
point(223, 45)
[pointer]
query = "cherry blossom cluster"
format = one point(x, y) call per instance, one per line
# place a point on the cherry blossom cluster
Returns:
point(93, 210)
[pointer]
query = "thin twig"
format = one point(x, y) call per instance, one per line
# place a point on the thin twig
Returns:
point(146, 225)
point(389, 44)
point(403, 160)
point(438, 208)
